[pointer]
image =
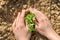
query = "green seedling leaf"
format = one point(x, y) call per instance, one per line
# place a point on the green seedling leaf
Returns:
point(28, 18)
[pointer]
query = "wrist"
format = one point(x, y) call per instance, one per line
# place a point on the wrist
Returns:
point(52, 35)
point(24, 38)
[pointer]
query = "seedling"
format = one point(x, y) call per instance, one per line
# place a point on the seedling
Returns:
point(28, 18)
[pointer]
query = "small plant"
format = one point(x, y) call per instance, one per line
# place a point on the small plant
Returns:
point(28, 18)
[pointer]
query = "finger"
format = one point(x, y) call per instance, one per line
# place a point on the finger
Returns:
point(34, 19)
point(18, 14)
point(19, 21)
point(38, 14)
point(23, 13)
point(14, 24)
point(15, 21)
point(22, 16)
point(18, 17)
point(36, 23)
point(36, 27)
point(27, 26)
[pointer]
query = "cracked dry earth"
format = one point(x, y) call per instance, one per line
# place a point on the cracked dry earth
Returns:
point(9, 9)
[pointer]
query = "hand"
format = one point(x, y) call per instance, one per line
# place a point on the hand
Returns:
point(19, 28)
point(43, 25)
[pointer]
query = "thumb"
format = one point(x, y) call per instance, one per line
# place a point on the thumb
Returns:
point(36, 27)
point(27, 26)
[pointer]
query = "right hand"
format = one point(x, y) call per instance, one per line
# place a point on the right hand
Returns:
point(43, 25)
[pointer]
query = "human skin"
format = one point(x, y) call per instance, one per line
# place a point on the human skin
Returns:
point(42, 25)
point(19, 28)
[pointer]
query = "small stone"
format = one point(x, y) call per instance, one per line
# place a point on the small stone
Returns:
point(4, 23)
point(57, 12)
point(52, 17)
point(58, 18)
point(52, 21)
point(2, 2)
point(24, 6)
point(52, 12)
point(57, 24)
point(1, 37)
point(57, 21)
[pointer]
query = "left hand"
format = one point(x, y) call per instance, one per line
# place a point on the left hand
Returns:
point(19, 28)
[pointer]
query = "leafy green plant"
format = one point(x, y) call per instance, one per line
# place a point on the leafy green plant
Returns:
point(28, 18)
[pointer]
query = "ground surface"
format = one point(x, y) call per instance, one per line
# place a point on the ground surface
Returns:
point(9, 9)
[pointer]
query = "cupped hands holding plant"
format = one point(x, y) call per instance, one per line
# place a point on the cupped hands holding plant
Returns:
point(42, 25)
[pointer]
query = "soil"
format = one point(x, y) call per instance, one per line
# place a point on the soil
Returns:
point(10, 8)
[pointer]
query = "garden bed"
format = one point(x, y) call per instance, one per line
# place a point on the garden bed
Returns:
point(9, 9)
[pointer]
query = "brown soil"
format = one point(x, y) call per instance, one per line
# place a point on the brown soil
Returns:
point(9, 9)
